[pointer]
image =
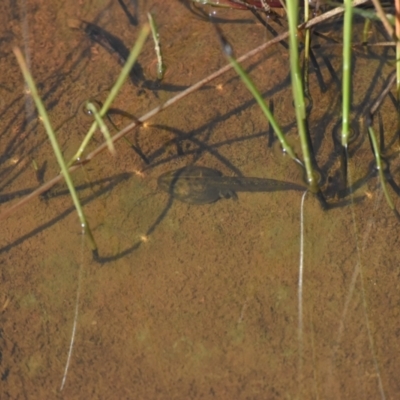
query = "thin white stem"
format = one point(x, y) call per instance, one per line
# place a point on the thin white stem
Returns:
point(300, 287)
point(74, 326)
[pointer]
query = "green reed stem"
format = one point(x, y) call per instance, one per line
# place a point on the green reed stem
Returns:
point(380, 168)
point(267, 112)
point(56, 148)
point(115, 89)
point(298, 93)
point(346, 84)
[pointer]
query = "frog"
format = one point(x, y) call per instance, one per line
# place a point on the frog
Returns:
point(202, 185)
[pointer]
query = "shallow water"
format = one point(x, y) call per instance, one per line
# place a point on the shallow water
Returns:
point(188, 301)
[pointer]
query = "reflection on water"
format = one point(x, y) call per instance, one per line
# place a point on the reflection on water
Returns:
point(187, 301)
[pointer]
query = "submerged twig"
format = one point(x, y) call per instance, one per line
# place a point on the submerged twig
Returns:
point(375, 106)
point(383, 18)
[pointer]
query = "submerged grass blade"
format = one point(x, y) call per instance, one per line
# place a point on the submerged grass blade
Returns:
point(103, 127)
point(54, 143)
point(267, 112)
point(115, 89)
point(156, 37)
point(380, 168)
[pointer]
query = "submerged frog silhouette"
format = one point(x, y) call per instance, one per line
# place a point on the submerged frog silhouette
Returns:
point(201, 185)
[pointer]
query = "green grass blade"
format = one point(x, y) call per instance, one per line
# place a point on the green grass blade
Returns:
point(54, 143)
point(115, 89)
point(267, 112)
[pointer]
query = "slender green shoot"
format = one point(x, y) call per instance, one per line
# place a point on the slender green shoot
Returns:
point(367, 26)
point(35, 165)
point(125, 114)
point(267, 112)
point(115, 89)
point(298, 94)
point(307, 49)
point(103, 127)
point(380, 169)
point(56, 148)
point(346, 84)
point(156, 37)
